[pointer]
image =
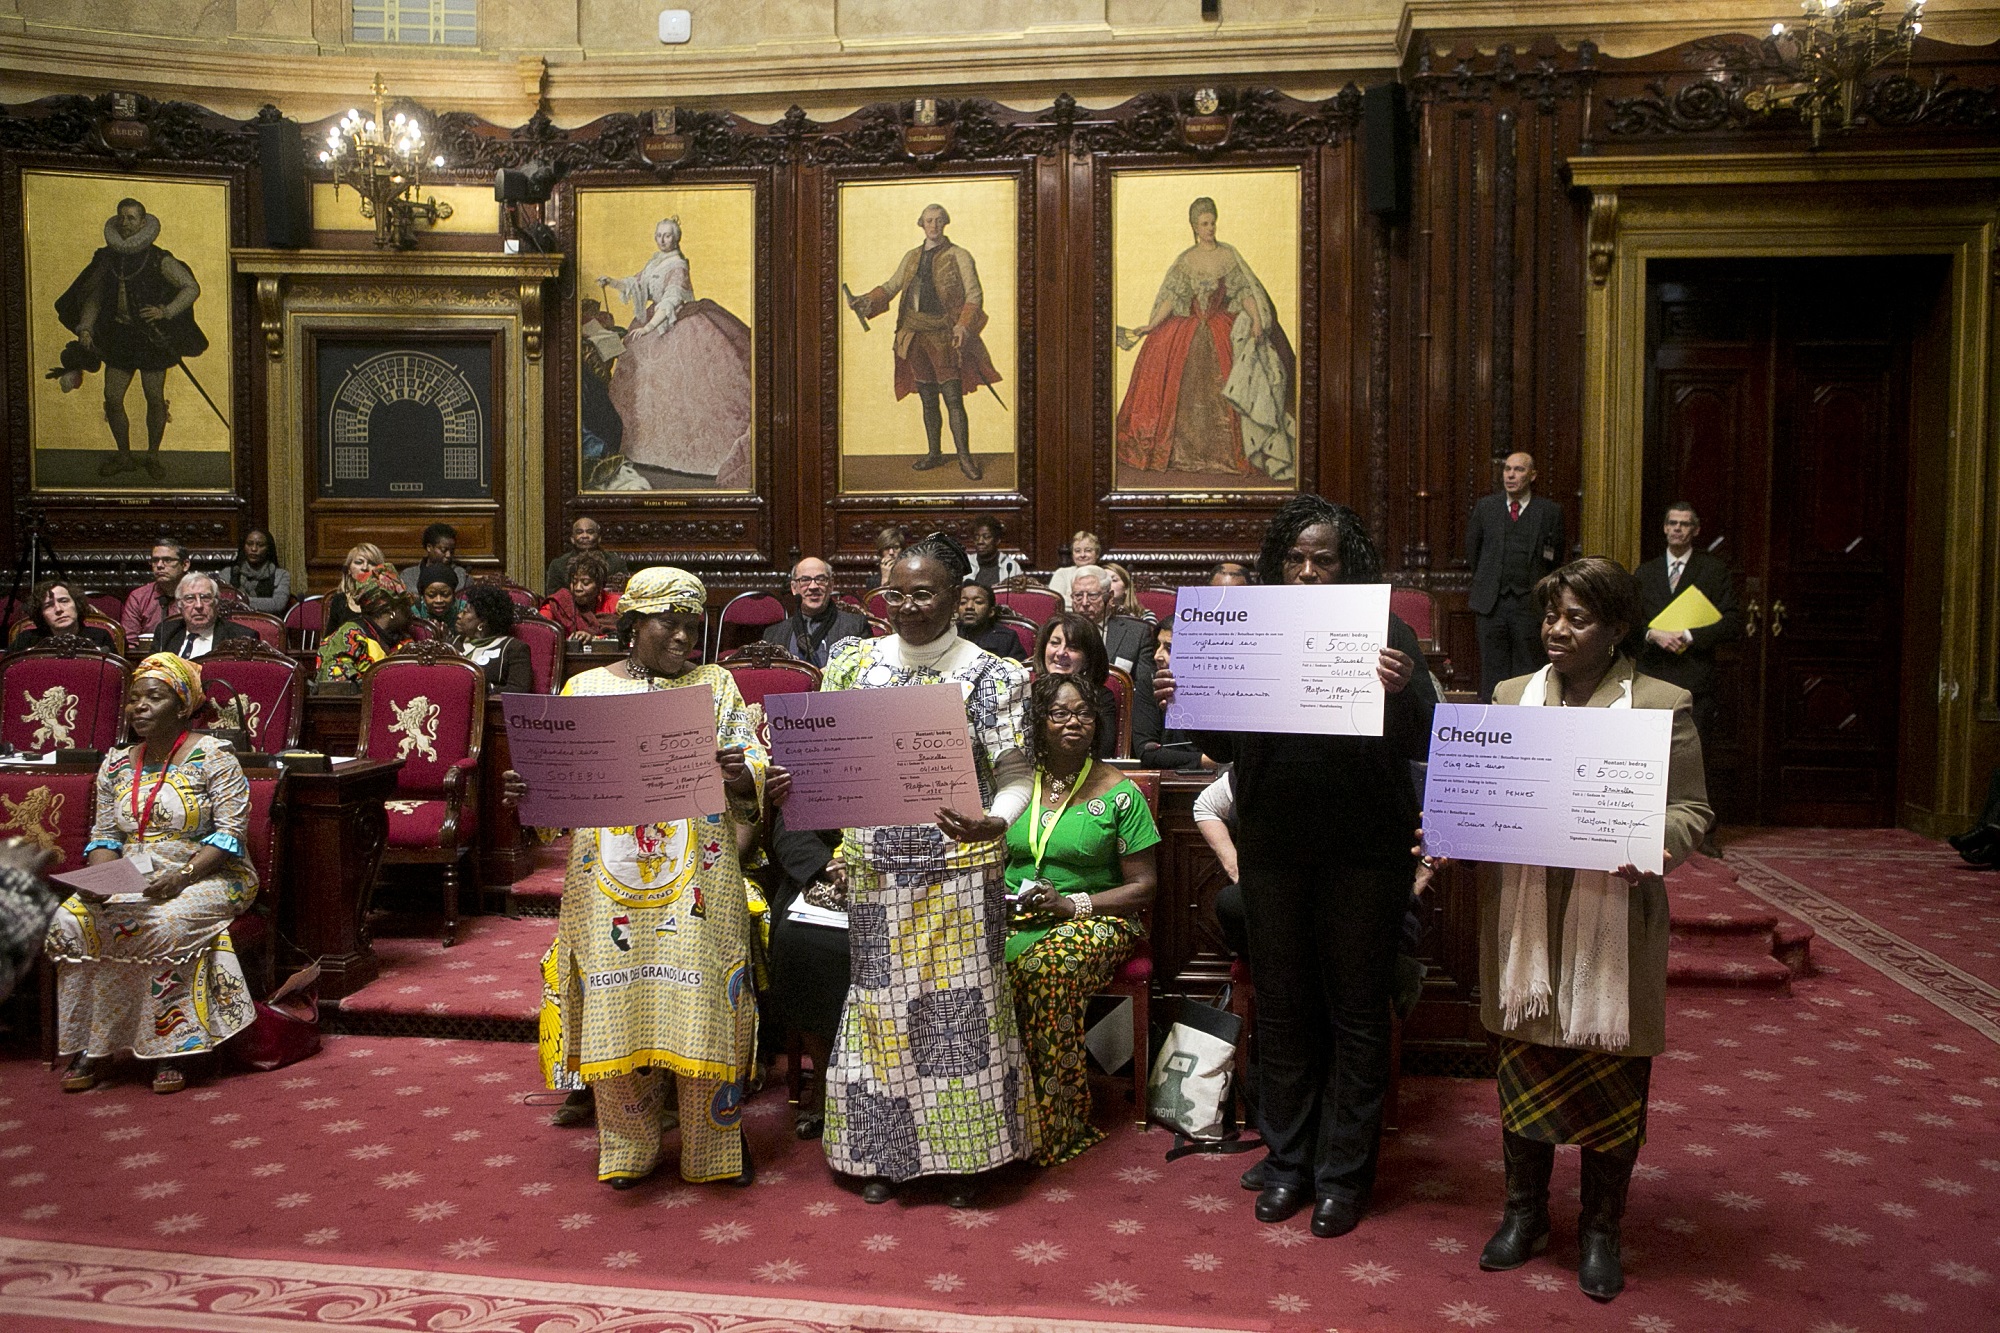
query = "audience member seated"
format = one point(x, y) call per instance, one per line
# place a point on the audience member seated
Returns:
point(26, 905)
point(979, 621)
point(1070, 645)
point(382, 628)
point(819, 622)
point(585, 536)
point(436, 591)
point(440, 548)
point(1080, 868)
point(809, 962)
point(149, 605)
point(990, 564)
point(1229, 573)
point(1154, 744)
point(484, 632)
point(57, 606)
point(197, 627)
point(1085, 548)
point(587, 609)
point(889, 544)
point(160, 977)
point(259, 580)
point(1128, 640)
point(1125, 594)
point(1980, 844)
point(341, 604)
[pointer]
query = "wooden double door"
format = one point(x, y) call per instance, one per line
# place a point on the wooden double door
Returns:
point(1782, 400)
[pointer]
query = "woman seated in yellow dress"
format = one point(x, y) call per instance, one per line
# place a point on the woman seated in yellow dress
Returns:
point(1080, 868)
point(158, 976)
point(384, 626)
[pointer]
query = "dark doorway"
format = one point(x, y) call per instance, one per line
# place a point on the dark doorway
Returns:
point(1781, 399)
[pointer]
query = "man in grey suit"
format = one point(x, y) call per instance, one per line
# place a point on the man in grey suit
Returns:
point(1514, 538)
point(1128, 640)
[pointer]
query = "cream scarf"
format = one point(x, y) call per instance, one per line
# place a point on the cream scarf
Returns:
point(1593, 997)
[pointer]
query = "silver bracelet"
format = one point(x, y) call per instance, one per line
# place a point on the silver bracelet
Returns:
point(1079, 905)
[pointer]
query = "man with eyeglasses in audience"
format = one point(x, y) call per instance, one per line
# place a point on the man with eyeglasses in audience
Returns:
point(148, 606)
point(819, 622)
point(195, 631)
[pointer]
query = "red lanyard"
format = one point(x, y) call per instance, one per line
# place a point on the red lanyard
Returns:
point(159, 782)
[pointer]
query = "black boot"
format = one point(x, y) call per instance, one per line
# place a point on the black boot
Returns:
point(1606, 1175)
point(1524, 1225)
point(933, 428)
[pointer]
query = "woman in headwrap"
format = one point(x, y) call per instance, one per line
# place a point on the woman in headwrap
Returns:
point(348, 652)
point(157, 975)
point(645, 910)
point(928, 1074)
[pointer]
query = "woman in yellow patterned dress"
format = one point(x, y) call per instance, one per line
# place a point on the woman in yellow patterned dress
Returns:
point(650, 973)
point(158, 977)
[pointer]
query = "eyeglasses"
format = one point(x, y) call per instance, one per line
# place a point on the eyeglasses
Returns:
point(197, 598)
point(811, 581)
point(923, 601)
point(1064, 716)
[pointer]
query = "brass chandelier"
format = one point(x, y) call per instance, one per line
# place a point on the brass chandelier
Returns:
point(383, 160)
point(1839, 42)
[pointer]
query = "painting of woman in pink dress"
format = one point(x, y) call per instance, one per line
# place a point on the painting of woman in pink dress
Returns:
point(1212, 391)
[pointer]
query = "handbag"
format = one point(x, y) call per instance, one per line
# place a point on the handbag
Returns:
point(286, 1029)
point(1188, 1090)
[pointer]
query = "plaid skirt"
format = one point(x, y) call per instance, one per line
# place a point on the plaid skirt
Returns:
point(1557, 1095)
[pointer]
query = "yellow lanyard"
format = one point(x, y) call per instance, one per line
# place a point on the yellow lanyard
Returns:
point(1039, 832)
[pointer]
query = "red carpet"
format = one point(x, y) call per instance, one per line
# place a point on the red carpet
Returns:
point(1824, 1158)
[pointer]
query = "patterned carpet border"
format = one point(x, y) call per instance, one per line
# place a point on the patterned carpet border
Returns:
point(159, 1289)
point(1957, 992)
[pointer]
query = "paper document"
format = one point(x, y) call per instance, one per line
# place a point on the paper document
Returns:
point(1690, 610)
point(615, 760)
point(874, 758)
point(118, 879)
point(814, 915)
point(1295, 659)
point(1579, 788)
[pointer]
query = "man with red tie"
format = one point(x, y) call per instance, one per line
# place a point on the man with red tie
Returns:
point(1687, 657)
point(1514, 538)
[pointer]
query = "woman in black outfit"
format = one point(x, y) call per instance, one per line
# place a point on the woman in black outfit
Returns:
point(1323, 838)
point(57, 606)
point(485, 633)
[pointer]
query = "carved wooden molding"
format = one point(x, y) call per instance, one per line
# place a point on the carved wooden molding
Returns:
point(1603, 233)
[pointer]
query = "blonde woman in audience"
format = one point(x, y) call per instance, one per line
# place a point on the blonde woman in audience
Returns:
point(342, 604)
point(1085, 548)
point(1125, 594)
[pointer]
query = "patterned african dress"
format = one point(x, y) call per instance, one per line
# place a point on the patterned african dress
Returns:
point(927, 1069)
point(348, 652)
point(1055, 966)
point(650, 972)
point(159, 979)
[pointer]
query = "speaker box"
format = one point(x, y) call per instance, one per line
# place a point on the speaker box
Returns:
point(287, 194)
point(1385, 151)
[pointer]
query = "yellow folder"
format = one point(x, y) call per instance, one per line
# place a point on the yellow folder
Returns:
point(1690, 610)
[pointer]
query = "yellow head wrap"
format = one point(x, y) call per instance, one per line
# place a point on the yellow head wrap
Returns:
point(182, 676)
point(661, 589)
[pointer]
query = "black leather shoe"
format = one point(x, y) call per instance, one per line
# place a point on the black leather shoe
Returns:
point(877, 1190)
point(748, 1175)
point(1978, 836)
point(628, 1182)
point(1524, 1226)
point(1253, 1179)
point(1276, 1203)
point(1335, 1217)
point(961, 1192)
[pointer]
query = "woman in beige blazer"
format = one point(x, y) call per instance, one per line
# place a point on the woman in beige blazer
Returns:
point(1573, 964)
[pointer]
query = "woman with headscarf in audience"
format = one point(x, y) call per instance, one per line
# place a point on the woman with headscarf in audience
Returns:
point(1080, 869)
point(979, 622)
point(57, 606)
point(384, 626)
point(1325, 911)
point(344, 602)
point(650, 972)
point(483, 630)
point(258, 578)
point(1070, 645)
point(928, 1074)
point(586, 609)
point(1573, 963)
point(158, 977)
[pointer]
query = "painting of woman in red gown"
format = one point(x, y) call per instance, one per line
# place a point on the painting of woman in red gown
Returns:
point(1212, 391)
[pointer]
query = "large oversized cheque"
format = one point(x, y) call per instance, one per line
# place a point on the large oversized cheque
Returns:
point(870, 758)
point(1580, 788)
point(1294, 659)
point(615, 760)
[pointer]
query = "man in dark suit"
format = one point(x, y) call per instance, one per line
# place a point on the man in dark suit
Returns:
point(1128, 640)
point(819, 622)
point(1687, 657)
point(199, 626)
point(1514, 538)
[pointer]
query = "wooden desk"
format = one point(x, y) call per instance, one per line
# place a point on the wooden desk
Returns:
point(581, 657)
point(500, 849)
point(335, 829)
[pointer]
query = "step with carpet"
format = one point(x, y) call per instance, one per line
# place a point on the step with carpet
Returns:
point(487, 986)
